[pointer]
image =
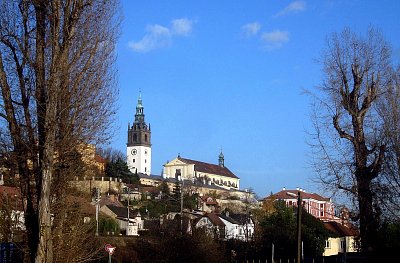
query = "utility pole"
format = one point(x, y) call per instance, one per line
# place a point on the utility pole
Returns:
point(298, 227)
point(97, 199)
point(183, 183)
point(129, 197)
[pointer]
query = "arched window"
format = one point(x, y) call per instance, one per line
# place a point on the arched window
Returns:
point(135, 137)
point(145, 137)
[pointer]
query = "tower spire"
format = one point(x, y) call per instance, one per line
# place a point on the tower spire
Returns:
point(221, 159)
point(139, 115)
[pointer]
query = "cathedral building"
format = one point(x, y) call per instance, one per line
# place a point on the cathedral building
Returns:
point(207, 173)
point(138, 150)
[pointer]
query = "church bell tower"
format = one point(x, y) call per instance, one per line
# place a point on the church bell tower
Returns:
point(138, 150)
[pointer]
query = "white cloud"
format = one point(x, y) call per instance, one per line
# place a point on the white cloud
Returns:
point(158, 36)
point(251, 29)
point(182, 26)
point(275, 39)
point(294, 7)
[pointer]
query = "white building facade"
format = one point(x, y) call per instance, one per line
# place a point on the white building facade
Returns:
point(138, 150)
point(208, 174)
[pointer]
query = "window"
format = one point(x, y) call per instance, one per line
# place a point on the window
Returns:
point(327, 244)
point(133, 160)
point(343, 245)
point(145, 169)
point(145, 137)
point(135, 137)
point(145, 161)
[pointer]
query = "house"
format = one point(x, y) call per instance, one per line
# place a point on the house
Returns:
point(246, 226)
point(95, 164)
point(346, 240)
point(224, 226)
point(212, 224)
point(130, 222)
point(237, 226)
point(320, 207)
point(207, 204)
point(207, 173)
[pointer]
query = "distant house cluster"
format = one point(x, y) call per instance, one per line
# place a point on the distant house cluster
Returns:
point(324, 209)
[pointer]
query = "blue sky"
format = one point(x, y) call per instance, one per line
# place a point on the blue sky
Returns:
point(230, 74)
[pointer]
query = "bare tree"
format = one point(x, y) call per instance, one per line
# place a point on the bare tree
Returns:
point(348, 143)
point(389, 110)
point(57, 91)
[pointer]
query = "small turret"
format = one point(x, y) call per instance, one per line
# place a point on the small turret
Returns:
point(221, 159)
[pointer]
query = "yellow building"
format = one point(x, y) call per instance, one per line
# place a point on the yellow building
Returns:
point(344, 242)
point(95, 164)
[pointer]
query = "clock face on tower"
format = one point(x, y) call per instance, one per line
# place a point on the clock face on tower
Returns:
point(133, 152)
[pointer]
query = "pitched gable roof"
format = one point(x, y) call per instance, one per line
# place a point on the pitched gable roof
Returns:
point(229, 219)
point(215, 219)
point(109, 200)
point(288, 194)
point(209, 168)
point(122, 212)
point(339, 229)
point(241, 218)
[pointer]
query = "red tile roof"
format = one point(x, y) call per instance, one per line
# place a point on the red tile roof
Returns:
point(10, 191)
point(208, 200)
point(99, 159)
point(214, 218)
point(209, 168)
point(340, 230)
point(110, 200)
point(83, 204)
point(11, 196)
point(287, 194)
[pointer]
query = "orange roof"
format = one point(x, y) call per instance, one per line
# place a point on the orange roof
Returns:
point(339, 229)
point(209, 168)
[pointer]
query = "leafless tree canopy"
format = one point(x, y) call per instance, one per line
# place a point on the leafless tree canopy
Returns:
point(57, 81)
point(350, 143)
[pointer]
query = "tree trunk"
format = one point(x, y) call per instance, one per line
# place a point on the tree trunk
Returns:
point(368, 220)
